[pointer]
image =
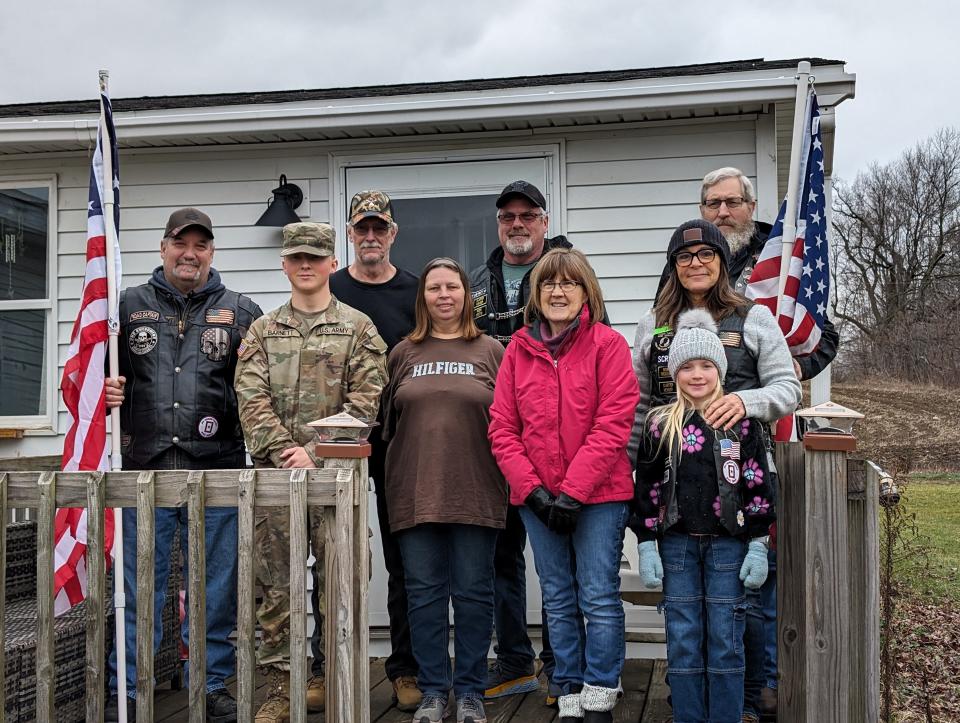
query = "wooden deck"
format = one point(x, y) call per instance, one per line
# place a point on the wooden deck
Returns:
point(644, 700)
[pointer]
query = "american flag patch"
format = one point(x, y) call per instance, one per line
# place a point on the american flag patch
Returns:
point(219, 316)
point(730, 338)
point(729, 448)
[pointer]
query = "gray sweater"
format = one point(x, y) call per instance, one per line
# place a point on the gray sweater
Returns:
point(780, 390)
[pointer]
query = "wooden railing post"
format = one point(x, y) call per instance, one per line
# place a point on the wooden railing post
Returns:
point(146, 583)
point(298, 594)
point(46, 515)
point(246, 612)
point(96, 599)
point(197, 592)
point(863, 508)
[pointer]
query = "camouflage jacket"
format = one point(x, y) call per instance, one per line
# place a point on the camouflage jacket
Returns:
point(289, 375)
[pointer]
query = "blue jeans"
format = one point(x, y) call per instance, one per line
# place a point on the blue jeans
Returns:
point(705, 609)
point(596, 655)
point(513, 649)
point(444, 562)
point(220, 531)
point(760, 640)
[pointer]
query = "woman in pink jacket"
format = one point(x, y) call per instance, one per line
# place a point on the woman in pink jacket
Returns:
point(561, 417)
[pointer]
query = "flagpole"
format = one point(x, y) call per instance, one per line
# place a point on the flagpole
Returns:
point(793, 182)
point(113, 329)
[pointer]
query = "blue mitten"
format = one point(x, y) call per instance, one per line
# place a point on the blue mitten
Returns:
point(753, 572)
point(651, 569)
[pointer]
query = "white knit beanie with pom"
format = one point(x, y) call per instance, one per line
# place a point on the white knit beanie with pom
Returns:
point(696, 338)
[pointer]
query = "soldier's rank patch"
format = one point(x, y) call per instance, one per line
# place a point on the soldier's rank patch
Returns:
point(219, 316)
point(215, 343)
point(730, 338)
point(145, 314)
point(247, 348)
point(142, 339)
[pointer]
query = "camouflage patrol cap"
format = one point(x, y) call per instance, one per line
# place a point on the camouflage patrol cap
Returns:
point(185, 218)
point(304, 237)
point(370, 204)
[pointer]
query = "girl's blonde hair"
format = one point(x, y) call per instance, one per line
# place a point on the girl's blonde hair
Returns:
point(670, 418)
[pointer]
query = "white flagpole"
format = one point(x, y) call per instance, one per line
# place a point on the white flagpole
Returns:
point(108, 198)
point(793, 184)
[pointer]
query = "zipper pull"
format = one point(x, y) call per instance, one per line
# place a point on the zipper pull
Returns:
point(180, 325)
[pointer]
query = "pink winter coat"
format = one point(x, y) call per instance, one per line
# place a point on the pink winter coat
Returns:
point(565, 423)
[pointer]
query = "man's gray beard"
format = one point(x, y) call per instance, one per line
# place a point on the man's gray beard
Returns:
point(741, 237)
point(519, 248)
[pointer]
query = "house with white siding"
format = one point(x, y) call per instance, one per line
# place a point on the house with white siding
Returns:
point(619, 156)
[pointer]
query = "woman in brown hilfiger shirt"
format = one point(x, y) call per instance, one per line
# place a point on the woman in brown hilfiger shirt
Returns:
point(446, 496)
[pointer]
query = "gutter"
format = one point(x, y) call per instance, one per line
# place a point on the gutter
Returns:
point(707, 91)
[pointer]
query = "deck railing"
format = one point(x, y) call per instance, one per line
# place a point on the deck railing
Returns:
point(340, 488)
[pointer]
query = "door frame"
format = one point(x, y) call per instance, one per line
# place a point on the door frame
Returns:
point(553, 153)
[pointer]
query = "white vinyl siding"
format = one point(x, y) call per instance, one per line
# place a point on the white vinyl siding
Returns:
point(627, 191)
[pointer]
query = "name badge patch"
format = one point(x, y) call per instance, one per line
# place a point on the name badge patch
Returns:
point(143, 315)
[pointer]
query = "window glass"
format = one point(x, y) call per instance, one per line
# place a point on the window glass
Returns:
point(22, 354)
point(23, 243)
point(461, 227)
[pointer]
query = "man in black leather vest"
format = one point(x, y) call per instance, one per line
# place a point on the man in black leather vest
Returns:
point(179, 334)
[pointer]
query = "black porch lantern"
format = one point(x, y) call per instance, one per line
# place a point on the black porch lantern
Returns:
point(286, 197)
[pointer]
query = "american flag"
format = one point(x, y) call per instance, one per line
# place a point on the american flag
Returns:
point(807, 293)
point(85, 446)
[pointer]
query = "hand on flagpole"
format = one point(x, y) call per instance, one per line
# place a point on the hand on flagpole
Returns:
point(113, 391)
point(725, 412)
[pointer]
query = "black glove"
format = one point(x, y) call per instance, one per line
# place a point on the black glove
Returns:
point(540, 502)
point(563, 515)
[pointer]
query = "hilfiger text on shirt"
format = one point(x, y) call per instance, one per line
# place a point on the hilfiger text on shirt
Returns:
point(442, 367)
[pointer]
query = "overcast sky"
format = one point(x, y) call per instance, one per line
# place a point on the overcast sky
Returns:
point(905, 54)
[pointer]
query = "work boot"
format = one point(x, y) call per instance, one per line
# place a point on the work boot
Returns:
point(221, 707)
point(276, 708)
point(406, 694)
point(553, 692)
point(316, 694)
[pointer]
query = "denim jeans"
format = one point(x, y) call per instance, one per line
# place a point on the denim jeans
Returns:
point(591, 586)
point(220, 532)
point(444, 562)
point(705, 609)
point(513, 649)
point(760, 639)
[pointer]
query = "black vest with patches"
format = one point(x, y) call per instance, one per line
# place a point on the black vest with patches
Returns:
point(741, 364)
point(179, 355)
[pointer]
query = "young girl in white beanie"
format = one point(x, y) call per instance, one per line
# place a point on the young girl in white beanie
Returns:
point(705, 495)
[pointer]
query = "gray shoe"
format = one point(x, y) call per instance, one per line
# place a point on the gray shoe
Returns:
point(432, 709)
point(470, 710)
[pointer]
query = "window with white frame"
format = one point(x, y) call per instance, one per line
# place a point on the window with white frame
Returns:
point(28, 354)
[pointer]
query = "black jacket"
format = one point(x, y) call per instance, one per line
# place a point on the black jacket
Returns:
point(741, 266)
point(178, 354)
point(489, 295)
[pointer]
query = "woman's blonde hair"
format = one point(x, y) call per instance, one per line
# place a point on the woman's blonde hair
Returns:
point(424, 327)
point(563, 264)
point(670, 418)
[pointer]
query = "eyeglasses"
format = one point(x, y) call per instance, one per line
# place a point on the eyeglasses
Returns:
point(527, 217)
point(685, 258)
point(379, 229)
point(566, 285)
point(732, 203)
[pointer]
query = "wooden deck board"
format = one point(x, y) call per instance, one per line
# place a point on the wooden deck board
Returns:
point(644, 699)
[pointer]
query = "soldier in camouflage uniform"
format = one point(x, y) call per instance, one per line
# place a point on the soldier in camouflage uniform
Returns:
point(311, 358)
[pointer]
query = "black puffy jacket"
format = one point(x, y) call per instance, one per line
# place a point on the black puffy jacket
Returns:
point(178, 354)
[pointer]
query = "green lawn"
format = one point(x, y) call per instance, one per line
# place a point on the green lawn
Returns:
point(935, 500)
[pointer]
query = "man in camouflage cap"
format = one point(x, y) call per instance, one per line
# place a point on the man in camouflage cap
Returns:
point(311, 358)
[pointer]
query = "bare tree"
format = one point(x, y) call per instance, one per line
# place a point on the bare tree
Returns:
point(896, 257)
